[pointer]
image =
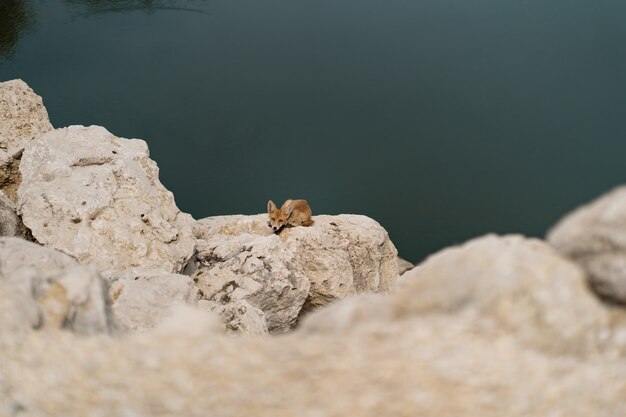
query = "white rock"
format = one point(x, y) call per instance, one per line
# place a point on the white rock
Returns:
point(10, 222)
point(238, 316)
point(349, 315)
point(368, 356)
point(256, 269)
point(40, 287)
point(23, 118)
point(231, 226)
point(98, 198)
point(303, 268)
point(144, 298)
point(518, 284)
point(188, 322)
point(594, 236)
point(341, 256)
point(404, 265)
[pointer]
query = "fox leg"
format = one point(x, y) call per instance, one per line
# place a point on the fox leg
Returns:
point(307, 223)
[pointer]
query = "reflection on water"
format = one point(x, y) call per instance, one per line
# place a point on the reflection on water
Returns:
point(150, 6)
point(15, 17)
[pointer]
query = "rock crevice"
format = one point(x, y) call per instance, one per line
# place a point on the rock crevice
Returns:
point(301, 269)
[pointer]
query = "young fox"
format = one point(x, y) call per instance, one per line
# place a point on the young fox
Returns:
point(292, 213)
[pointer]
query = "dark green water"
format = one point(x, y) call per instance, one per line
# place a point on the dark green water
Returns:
point(442, 119)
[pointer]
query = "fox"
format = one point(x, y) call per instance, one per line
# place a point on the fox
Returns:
point(292, 213)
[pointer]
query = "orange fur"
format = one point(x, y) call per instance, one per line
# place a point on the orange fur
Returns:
point(292, 213)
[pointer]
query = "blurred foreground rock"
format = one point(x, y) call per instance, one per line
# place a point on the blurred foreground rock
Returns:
point(491, 347)
point(43, 288)
point(519, 285)
point(404, 265)
point(302, 268)
point(23, 118)
point(238, 316)
point(143, 298)
point(98, 198)
point(594, 236)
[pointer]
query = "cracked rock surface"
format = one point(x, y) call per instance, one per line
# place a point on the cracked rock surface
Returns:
point(238, 316)
point(256, 269)
point(23, 118)
point(43, 288)
point(98, 198)
point(298, 270)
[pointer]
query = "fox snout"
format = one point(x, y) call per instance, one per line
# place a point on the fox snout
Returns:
point(274, 227)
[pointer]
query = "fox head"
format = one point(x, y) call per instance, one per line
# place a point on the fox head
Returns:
point(278, 217)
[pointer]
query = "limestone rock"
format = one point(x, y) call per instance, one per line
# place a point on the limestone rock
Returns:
point(98, 198)
point(518, 284)
point(23, 118)
point(390, 361)
point(404, 265)
point(10, 222)
point(40, 287)
point(350, 315)
point(302, 268)
point(594, 236)
point(255, 269)
point(231, 226)
point(341, 256)
point(238, 316)
point(144, 298)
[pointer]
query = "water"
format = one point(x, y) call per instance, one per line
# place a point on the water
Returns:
point(442, 119)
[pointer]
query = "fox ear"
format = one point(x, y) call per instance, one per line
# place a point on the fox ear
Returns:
point(271, 207)
point(287, 210)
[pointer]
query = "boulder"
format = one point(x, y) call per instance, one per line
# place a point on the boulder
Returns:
point(10, 222)
point(342, 255)
point(98, 198)
point(141, 298)
point(40, 287)
point(23, 118)
point(594, 236)
point(255, 269)
point(367, 355)
point(517, 284)
point(302, 268)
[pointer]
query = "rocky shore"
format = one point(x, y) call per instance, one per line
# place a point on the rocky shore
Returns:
point(114, 302)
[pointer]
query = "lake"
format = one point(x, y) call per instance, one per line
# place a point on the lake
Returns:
point(441, 119)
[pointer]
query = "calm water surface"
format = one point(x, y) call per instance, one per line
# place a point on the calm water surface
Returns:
point(442, 119)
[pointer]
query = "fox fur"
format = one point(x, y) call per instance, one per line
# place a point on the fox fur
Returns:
point(291, 213)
